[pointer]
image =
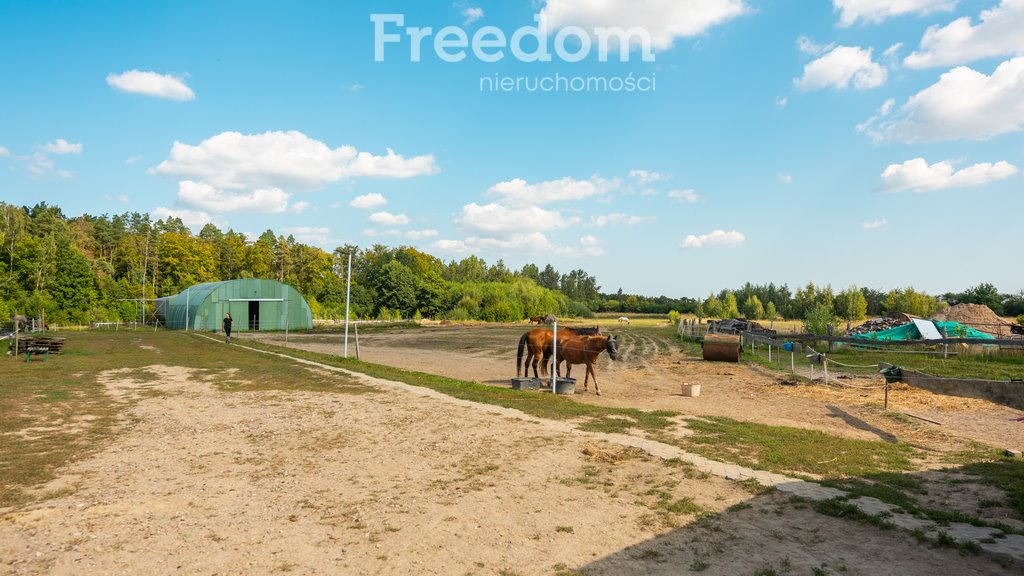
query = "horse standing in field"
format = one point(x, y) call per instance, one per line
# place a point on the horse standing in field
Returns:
point(583, 350)
point(623, 320)
point(536, 319)
point(536, 341)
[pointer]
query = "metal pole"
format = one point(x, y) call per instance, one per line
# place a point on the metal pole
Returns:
point(348, 293)
point(554, 357)
point(145, 266)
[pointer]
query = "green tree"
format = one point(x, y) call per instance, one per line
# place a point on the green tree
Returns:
point(74, 284)
point(396, 288)
point(729, 307)
point(770, 313)
point(818, 319)
point(910, 301)
point(850, 304)
point(549, 278)
point(713, 307)
point(752, 307)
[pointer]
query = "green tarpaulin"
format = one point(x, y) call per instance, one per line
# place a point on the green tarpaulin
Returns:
point(910, 332)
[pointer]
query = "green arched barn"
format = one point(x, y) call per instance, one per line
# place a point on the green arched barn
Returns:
point(254, 304)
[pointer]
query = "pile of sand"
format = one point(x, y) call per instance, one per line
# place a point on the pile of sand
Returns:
point(977, 316)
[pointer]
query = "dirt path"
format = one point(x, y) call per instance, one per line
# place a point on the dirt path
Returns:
point(206, 481)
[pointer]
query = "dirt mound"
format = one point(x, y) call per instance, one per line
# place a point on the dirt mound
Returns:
point(977, 316)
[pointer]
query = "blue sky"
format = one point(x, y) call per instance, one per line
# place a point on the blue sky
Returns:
point(840, 142)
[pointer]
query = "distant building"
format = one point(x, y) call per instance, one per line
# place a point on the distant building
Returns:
point(254, 304)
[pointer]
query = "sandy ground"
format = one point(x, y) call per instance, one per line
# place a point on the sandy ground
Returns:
point(650, 379)
point(202, 481)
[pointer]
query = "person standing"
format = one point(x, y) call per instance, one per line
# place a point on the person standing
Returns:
point(227, 327)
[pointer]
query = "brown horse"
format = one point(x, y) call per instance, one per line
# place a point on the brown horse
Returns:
point(537, 342)
point(536, 319)
point(583, 350)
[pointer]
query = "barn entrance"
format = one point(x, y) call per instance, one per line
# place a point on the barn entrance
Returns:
point(254, 315)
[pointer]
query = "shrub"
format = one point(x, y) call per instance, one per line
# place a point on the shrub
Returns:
point(1020, 319)
point(674, 316)
point(818, 318)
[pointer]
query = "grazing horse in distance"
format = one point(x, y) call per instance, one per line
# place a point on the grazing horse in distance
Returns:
point(584, 350)
point(538, 340)
point(623, 320)
point(536, 319)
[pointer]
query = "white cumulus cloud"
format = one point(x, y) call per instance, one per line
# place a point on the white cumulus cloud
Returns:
point(716, 238)
point(619, 218)
point(1000, 32)
point(206, 197)
point(874, 11)
point(151, 84)
point(963, 104)
point(876, 224)
point(191, 218)
point(664, 20)
point(499, 219)
point(420, 234)
point(389, 219)
point(645, 177)
point(288, 160)
point(531, 243)
point(61, 147)
point(368, 201)
point(919, 176)
point(299, 207)
point(520, 192)
point(687, 196)
point(840, 67)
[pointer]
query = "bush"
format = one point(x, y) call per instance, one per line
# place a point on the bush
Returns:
point(818, 318)
point(1020, 319)
point(674, 316)
point(578, 310)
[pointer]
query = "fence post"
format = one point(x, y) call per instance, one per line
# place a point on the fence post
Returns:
point(792, 362)
point(824, 366)
point(945, 345)
point(769, 351)
point(831, 344)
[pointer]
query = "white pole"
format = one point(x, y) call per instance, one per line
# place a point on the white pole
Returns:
point(554, 357)
point(145, 266)
point(348, 293)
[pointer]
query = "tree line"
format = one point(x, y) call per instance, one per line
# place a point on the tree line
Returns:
point(97, 268)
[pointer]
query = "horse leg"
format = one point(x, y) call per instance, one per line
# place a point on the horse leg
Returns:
point(590, 370)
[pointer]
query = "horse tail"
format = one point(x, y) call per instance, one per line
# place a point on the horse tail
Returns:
point(519, 353)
